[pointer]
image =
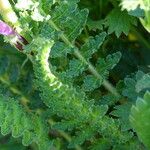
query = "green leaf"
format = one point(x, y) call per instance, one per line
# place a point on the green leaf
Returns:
point(92, 45)
point(46, 5)
point(103, 67)
point(60, 49)
point(69, 19)
point(76, 66)
point(119, 21)
point(65, 125)
point(109, 99)
point(123, 112)
point(137, 12)
point(140, 119)
point(94, 25)
point(13, 118)
point(101, 144)
point(81, 136)
point(91, 83)
point(143, 83)
point(129, 85)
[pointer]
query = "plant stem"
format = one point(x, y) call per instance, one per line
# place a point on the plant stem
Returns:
point(106, 83)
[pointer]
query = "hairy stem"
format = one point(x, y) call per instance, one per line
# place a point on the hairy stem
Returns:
point(106, 83)
point(9, 15)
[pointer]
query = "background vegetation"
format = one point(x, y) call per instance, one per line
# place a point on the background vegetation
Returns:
point(95, 95)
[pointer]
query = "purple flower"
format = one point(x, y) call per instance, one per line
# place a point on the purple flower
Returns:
point(6, 29)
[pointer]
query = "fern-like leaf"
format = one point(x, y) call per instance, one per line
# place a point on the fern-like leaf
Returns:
point(103, 67)
point(28, 126)
point(65, 101)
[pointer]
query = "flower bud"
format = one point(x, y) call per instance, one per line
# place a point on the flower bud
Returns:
point(6, 29)
point(14, 37)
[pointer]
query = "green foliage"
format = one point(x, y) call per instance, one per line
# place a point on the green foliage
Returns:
point(8, 142)
point(136, 85)
point(144, 83)
point(119, 21)
point(14, 119)
point(76, 67)
point(65, 101)
point(123, 112)
point(140, 118)
point(144, 5)
point(74, 84)
point(95, 25)
point(103, 66)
